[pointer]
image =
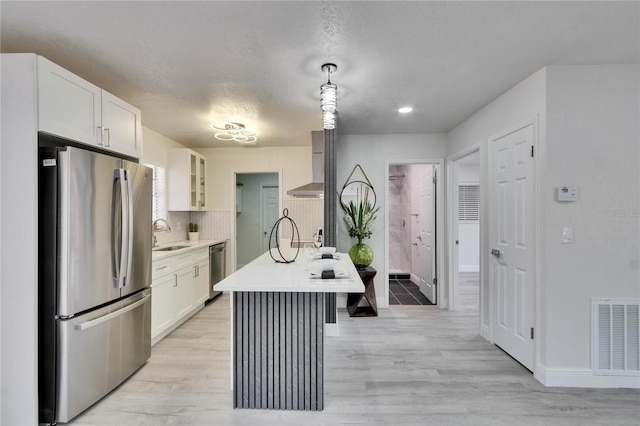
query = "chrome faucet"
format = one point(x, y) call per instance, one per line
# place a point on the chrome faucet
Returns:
point(154, 225)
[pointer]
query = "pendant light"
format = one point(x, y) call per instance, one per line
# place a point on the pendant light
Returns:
point(329, 98)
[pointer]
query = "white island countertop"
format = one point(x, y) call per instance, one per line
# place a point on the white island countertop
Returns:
point(265, 274)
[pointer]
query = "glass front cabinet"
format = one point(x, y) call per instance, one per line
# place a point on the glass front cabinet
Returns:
point(186, 180)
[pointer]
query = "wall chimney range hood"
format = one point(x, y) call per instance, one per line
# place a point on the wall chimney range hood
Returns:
point(314, 189)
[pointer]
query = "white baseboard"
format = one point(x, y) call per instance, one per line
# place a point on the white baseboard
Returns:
point(582, 378)
point(485, 332)
point(331, 329)
point(443, 302)
point(414, 279)
point(468, 268)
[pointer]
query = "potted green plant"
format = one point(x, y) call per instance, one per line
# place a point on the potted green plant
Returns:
point(194, 235)
point(359, 217)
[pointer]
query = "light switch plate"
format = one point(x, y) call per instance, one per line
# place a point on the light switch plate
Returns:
point(567, 235)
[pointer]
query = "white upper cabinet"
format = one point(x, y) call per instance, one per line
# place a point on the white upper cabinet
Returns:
point(73, 108)
point(186, 175)
point(68, 106)
point(121, 126)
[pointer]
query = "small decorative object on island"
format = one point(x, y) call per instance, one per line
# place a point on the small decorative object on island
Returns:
point(359, 213)
point(194, 235)
point(283, 252)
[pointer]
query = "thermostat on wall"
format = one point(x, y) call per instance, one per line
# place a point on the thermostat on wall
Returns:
point(567, 193)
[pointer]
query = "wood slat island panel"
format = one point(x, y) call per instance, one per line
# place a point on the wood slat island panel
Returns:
point(278, 344)
point(278, 320)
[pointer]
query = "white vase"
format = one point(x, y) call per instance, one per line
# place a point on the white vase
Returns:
point(194, 236)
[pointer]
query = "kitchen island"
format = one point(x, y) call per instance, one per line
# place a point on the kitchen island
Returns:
point(277, 326)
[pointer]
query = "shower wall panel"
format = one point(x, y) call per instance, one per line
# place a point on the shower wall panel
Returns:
point(399, 219)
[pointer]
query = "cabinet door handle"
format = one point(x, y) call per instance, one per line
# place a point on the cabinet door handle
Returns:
point(175, 280)
point(108, 137)
point(100, 139)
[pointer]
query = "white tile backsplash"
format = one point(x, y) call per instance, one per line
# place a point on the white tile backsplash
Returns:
point(308, 214)
point(213, 224)
point(175, 219)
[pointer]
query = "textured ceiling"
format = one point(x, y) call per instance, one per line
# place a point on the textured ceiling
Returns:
point(186, 64)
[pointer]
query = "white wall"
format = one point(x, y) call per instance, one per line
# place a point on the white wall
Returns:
point(522, 102)
point(372, 152)
point(592, 142)
point(469, 247)
point(18, 242)
point(293, 162)
point(155, 147)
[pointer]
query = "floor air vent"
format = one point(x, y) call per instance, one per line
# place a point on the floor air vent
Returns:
point(616, 337)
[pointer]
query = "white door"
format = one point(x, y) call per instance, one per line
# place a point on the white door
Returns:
point(270, 214)
point(426, 237)
point(511, 238)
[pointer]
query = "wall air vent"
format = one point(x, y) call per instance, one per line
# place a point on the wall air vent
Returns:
point(616, 337)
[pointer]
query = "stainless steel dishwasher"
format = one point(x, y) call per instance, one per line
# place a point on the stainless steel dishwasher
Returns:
point(217, 261)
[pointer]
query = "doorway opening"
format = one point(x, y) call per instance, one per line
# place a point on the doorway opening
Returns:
point(464, 196)
point(413, 255)
point(257, 207)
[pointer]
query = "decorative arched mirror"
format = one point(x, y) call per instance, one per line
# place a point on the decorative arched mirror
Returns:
point(359, 204)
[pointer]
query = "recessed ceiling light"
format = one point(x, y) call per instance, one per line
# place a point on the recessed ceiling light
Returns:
point(405, 110)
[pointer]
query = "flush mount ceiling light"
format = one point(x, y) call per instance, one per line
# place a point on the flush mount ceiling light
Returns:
point(235, 132)
point(329, 98)
point(405, 110)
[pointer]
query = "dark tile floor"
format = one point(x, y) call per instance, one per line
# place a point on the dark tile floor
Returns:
point(403, 292)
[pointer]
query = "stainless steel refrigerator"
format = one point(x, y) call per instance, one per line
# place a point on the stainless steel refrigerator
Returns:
point(94, 276)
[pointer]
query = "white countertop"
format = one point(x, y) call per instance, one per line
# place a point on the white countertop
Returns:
point(188, 246)
point(265, 274)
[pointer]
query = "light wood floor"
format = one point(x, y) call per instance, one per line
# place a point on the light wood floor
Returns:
point(412, 365)
point(469, 291)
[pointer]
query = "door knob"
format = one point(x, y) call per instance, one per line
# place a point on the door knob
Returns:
point(496, 252)
point(419, 237)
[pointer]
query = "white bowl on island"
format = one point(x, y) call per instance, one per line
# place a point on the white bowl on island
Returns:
point(327, 250)
point(317, 266)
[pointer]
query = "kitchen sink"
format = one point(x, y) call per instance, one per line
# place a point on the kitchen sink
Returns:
point(169, 248)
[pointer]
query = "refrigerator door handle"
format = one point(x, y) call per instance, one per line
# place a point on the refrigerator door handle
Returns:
point(94, 322)
point(120, 265)
point(129, 226)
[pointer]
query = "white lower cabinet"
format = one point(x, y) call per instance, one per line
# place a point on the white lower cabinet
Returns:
point(201, 277)
point(180, 287)
point(184, 292)
point(162, 315)
point(201, 284)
